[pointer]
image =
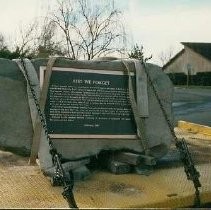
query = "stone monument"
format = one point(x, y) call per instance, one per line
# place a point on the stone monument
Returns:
point(87, 109)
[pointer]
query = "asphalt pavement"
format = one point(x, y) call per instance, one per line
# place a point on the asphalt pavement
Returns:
point(193, 105)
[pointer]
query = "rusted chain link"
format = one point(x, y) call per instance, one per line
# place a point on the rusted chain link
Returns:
point(185, 156)
point(56, 157)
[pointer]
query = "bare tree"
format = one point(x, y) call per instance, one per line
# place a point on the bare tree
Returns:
point(47, 43)
point(90, 30)
point(26, 44)
point(166, 56)
point(2, 42)
point(38, 39)
point(5, 51)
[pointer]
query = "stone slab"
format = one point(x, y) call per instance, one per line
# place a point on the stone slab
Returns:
point(17, 126)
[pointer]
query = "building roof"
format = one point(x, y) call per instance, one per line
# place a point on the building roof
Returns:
point(204, 49)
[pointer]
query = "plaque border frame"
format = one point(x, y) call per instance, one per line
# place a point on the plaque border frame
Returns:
point(86, 136)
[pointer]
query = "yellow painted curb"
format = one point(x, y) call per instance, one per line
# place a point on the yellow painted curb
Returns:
point(194, 128)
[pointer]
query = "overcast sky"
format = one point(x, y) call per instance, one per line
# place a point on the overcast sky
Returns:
point(156, 24)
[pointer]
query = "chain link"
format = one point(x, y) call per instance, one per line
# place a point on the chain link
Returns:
point(185, 156)
point(56, 157)
point(37, 104)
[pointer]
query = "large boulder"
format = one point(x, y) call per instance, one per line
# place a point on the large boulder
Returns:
point(16, 123)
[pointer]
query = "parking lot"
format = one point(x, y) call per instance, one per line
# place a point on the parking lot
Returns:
point(193, 105)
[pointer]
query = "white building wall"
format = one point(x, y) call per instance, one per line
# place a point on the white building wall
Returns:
point(189, 60)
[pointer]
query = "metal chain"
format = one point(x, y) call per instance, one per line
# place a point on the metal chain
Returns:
point(185, 156)
point(56, 157)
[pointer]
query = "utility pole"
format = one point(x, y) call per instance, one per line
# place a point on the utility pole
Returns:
point(188, 75)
